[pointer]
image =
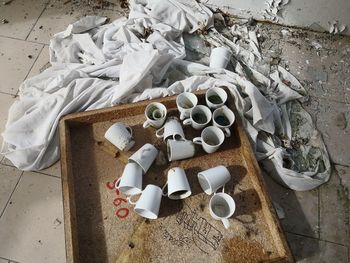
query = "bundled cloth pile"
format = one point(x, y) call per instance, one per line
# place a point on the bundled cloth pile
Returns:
point(97, 65)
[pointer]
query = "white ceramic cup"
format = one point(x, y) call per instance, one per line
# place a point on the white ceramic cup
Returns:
point(149, 202)
point(179, 150)
point(120, 136)
point(155, 113)
point(177, 184)
point(199, 117)
point(211, 139)
point(215, 97)
point(214, 178)
point(219, 57)
point(172, 129)
point(185, 102)
point(131, 181)
point(144, 156)
point(221, 207)
point(223, 118)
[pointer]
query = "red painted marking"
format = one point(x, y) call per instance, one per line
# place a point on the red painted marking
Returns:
point(124, 214)
point(110, 185)
point(117, 201)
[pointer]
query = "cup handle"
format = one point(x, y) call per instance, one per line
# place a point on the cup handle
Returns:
point(227, 132)
point(117, 183)
point(158, 131)
point(165, 194)
point(129, 129)
point(130, 201)
point(187, 122)
point(225, 222)
point(146, 124)
point(197, 140)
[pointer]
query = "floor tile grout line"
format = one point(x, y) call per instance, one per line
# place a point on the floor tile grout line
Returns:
point(23, 40)
point(319, 212)
point(315, 238)
point(37, 19)
point(8, 200)
point(36, 59)
point(38, 172)
point(9, 260)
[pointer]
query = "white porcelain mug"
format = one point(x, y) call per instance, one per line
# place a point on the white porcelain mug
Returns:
point(185, 102)
point(223, 118)
point(120, 136)
point(177, 184)
point(180, 149)
point(149, 202)
point(172, 129)
point(214, 178)
point(130, 183)
point(219, 57)
point(215, 97)
point(155, 113)
point(221, 207)
point(144, 156)
point(199, 117)
point(211, 139)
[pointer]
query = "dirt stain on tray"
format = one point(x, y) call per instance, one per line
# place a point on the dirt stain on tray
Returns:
point(240, 250)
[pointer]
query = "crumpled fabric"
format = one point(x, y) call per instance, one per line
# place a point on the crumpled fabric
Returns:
point(142, 57)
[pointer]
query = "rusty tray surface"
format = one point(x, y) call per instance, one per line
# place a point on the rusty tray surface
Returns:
point(101, 227)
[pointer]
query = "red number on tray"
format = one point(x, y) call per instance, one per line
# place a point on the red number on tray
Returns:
point(117, 201)
point(122, 212)
point(111, 185)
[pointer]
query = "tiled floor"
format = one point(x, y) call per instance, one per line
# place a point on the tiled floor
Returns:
point(31, 218)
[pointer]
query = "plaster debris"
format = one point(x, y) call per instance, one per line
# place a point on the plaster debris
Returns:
point(316, 45)
point(273, 10)
point(335, 27)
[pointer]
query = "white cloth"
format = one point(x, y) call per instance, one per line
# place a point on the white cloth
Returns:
point(142, 57)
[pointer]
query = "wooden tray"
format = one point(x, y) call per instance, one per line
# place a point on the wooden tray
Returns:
point(98, 228)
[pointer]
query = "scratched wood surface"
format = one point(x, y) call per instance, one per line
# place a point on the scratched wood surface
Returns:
point(101, 226)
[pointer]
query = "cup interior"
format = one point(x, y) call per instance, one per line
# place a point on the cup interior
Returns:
point(155, 111)
point(187, 100)
point(223, 118)
point(200, 115)
point(213, 137)
point(222, 205)
point(216, 96)
point(204, 184)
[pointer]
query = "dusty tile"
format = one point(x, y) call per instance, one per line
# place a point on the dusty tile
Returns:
point(344, 175)
point(334, 212)
point(5, 102)
point(21, 16)
point(309, 250)
point(300, 208)
point(59, 14)
point(54, 169)
point(332, 119)
point(9, 177)
point(42, 63)
point(31, 228)
point(16, 59)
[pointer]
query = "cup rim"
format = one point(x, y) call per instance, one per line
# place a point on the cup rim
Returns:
point(221, 90)
point(207, 112)
point(145, 213)
point(226, 197)
point(218, 130)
